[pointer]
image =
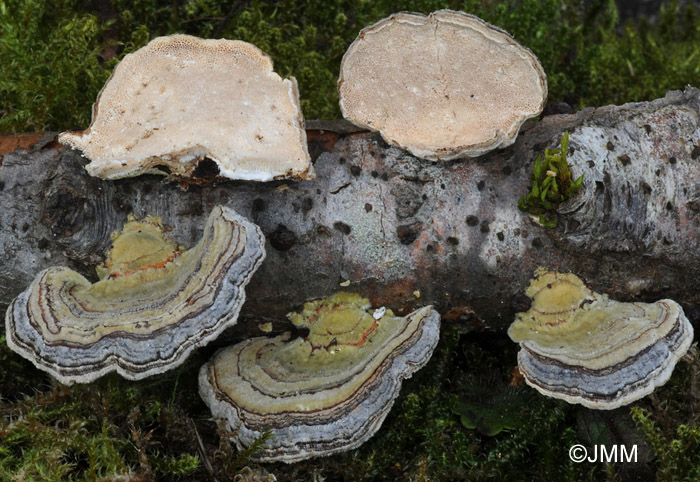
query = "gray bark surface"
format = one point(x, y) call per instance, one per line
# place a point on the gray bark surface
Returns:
point(403, 231)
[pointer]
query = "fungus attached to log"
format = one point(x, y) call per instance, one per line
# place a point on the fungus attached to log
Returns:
point(180, 99)
point(584, 348)
point(443, 86)
point(325, 393)
point(153, 305)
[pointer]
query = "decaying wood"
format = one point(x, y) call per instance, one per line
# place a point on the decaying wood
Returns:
point(403, 231)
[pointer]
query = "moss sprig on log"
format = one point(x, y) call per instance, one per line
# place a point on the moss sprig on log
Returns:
point(552, 184)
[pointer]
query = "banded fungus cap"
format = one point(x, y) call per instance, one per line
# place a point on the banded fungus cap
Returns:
point(582, 347)
point(180, 99)
point(153, 305)
point(326, 392)
point(444, 86)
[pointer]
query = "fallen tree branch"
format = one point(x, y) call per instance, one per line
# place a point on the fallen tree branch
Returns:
point(403, 231)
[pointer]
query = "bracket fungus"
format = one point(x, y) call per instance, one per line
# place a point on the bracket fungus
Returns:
point(153, 304)
point(180, 99)
point(582, 347)
point(326, 392)
point(444, 86)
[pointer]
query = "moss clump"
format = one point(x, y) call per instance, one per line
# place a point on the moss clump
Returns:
point(671, 422)
point(489, 406)
point(106, 430)
point(552, 184)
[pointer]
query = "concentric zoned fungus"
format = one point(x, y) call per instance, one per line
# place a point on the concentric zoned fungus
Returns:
point(584, 348)
point(154, 302)
point(444, 86)
point(327, 392)
point(181, 98)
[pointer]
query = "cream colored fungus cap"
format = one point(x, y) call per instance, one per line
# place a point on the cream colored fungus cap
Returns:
point(444, 86)
point(180, 99)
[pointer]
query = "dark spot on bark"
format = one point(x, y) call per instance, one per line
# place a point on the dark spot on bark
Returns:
point(525, 234)
point(506, 170)
point(430, 248)
point(666, 242)
point(442, 186)
point(2, 185)
point(453, 241)
point(599, 187)
point(484, 226)
point(669, 206)
point(647, 128)
point(554, 108)
point(342, 227)
point(516, 231)
point(374, 174)
point(591, 164)
point(672, 160)
point(624, 159)
point(322, 229)
point(385, 177)
point(537, 243)
point(696, 152)
point(206, 169)
point(573, 225)
point(307, 204)
point(693, 205)
point(282, 239)
point(355, 170)
point(43, 243)
point(658, 172)
point(500, 236)
point(424, 197)
point(368, 207)
point(341, 160)
point(25, 227)
point(64, 211)
point(472, 220)
point(120, 206)
point(610, 146)
point(408, 200)
point(520, 303)
point(162, 168)
point(408, 233)
point(259, 205)
point(480, 185)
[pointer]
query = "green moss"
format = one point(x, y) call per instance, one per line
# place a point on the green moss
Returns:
point(93, 432)
point(552, 184)
point(671, 425)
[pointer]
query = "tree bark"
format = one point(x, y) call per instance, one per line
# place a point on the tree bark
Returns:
point(403, 231)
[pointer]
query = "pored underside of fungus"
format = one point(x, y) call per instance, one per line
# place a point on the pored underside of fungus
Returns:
point(181, 99)
point(153, 304)
point(322, 393)
point(444, 86)
point(582, 347)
